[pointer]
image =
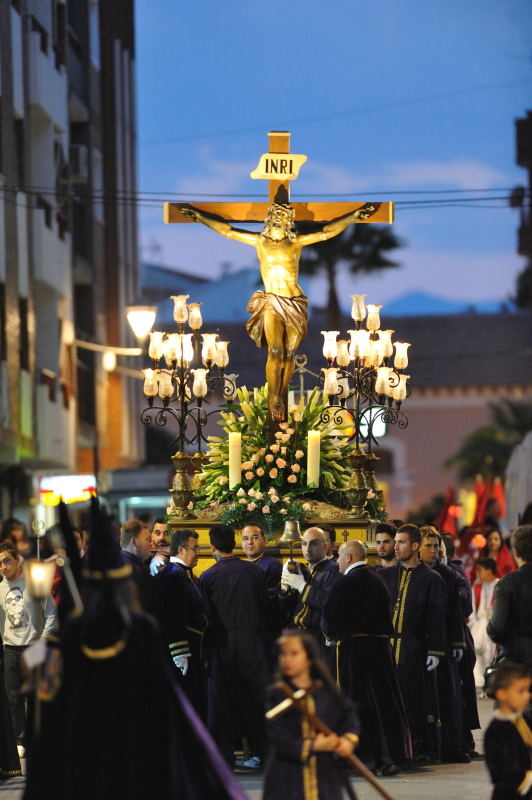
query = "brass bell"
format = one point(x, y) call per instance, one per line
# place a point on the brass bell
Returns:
point(291, 532)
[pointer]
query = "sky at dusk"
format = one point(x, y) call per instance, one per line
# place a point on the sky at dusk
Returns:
point(404, 100)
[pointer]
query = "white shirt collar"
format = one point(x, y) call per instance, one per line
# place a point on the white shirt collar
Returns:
point(352, 566)
point(176, 560)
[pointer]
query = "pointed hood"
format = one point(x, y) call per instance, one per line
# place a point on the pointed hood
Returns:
point(70, 544)
point(67, 602)
point(105, 558)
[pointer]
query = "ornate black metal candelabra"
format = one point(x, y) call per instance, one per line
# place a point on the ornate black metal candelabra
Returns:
point(364, 386)
point(178, 391)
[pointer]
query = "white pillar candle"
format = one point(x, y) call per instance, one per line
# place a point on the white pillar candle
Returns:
point(313, 458)
point(235, 459)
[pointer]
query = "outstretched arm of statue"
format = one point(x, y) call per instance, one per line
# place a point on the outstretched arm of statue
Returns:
point(331, 229)
point(219, 225)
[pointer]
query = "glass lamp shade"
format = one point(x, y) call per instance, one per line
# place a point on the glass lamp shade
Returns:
point(342, 357)
point(330, 346)
point(222, 356)
point(386, 342)
point(39, 576)
point(373, 321)
point(374, 353)
point(187, 348)
point(199, 386)
point(166, 387)
point(401, 355)
point(208, 350)
point(358, 308)
point(172, 348)
point(180, 307)
point(399, 392)
point(141, 319)
point(150, 382)
point(382, 381)
point(195, 320)
point(359, 344)
point(330, 385)
point(155, 349)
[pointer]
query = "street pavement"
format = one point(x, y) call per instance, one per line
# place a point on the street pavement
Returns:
point(449, 781)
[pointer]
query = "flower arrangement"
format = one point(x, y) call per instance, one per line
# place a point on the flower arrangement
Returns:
point(375, 506)
point(274, 476)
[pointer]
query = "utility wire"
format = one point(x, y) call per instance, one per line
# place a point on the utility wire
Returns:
point(316, 118)
point(103, 194)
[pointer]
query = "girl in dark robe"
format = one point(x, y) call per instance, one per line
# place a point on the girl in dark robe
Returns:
point(302, 763)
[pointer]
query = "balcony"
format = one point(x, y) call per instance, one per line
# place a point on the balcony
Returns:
point(47, 85)
point(56, 435)
point(51, 253)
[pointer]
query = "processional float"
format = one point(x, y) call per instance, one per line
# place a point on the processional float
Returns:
point(277, 461)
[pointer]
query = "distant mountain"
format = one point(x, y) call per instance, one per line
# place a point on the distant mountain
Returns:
point(416, 304)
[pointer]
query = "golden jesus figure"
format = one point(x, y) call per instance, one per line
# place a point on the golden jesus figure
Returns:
point(279, 313)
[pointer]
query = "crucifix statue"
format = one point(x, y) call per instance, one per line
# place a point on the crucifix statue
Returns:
point(279, 312)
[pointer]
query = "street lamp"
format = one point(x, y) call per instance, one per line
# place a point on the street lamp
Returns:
point(141, 319)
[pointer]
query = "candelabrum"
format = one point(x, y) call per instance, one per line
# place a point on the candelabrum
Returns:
point(186, 373)
point(366, 384)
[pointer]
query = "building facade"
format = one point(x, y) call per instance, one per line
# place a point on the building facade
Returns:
point(68, 240)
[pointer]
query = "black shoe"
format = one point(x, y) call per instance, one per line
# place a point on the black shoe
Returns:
point(455, 758)
point(474, 756)
point(390, 769)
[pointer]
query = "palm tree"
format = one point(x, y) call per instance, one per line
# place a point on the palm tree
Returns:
point(486, 450)
point(362, 247)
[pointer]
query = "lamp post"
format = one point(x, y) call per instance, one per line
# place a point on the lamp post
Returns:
point(364, 370)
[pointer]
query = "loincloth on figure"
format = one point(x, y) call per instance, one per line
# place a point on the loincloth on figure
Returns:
point(292, 310)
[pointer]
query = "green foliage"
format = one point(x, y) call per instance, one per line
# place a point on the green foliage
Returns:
point(375, 507)
point(273, 476)
point(486, 450)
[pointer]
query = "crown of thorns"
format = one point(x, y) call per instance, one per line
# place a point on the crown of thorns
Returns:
point(285, 208)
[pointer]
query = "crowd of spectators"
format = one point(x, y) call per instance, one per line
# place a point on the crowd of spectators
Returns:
point(408, 640)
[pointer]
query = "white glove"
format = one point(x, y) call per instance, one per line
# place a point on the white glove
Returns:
point(181, 663)
point(293, 579)
point(432, 663)
point(155, 565)
point(457, 654)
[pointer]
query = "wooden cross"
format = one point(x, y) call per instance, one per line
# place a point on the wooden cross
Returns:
point(279, 190)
